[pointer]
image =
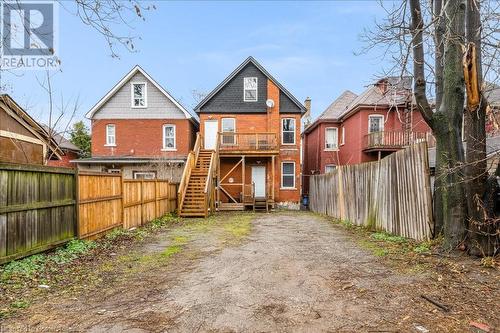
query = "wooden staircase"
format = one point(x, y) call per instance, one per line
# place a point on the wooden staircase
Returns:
point(194, 199)
point(196, 192)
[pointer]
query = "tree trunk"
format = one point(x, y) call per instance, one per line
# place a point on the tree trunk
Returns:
point(475, 135)
point(446, 122)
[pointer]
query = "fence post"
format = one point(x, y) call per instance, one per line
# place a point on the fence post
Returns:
point(142, 201)
point(77, 203)
point(156, 199)
point(340, 197)
point(122, 192)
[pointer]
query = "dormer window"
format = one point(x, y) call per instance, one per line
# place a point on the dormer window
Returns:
point(250, 89)
point(139, 95)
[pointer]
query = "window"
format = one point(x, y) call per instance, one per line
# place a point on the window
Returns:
point(228, 127)
point(330, 168)
point(342, 137)
point(288, 175)
point(331, 138)
point(375, 123)
point(288, 131)
point(250, 89)
point(144, 174)
point(115, 171)
point(110, 135)
point(139, 95)
point(168, 137)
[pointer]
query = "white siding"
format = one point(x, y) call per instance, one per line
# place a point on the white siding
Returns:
point(119, 105)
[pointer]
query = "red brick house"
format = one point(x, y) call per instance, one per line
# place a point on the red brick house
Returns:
point(252, 125)
point(139, 129)
point(356, 129)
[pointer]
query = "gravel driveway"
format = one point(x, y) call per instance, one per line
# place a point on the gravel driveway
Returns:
point(294, 272)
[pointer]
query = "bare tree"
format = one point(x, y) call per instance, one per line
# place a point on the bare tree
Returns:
point(427, 40)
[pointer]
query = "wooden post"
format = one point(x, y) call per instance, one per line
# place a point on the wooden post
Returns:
point(156, 198)
point(243, 176)
point(273, 175)
point(77, 204)
point(122, 190)
point(142, 201)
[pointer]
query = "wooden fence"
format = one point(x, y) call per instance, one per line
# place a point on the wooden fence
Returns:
point(42, 207)
point(392, 194)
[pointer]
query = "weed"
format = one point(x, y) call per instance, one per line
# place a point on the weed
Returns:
point(488, 262)
point(19, 304)
point(24, 267)
point(380, 252)
point(140, 234)
point(72, 250)
point(346, 223)
point(116, 233)
point(171, 250)
point(383, 236)
point(423, 247)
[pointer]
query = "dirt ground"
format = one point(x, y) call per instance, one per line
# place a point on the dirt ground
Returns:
point(278, 272)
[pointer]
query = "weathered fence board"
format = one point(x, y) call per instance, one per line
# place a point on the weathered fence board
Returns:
point(42, 207)
point(392, 194)
point(37, 209)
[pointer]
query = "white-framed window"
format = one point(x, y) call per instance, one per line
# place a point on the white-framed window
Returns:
point(375, 123)
point(342, 136)
point(330, 168)
point(139, 94)
point(228, 126)
point(169, 137)
point(288, 131)
point(110, 135)
point(144, 174)
point(288, 175)
point(331, 138)
point(250, 89)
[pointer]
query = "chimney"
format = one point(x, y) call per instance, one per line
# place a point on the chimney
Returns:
point(307, 115)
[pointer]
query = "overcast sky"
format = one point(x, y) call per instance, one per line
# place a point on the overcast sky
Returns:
point(308, 46)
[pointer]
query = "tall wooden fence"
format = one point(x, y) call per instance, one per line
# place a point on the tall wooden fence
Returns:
point(42, 207)
point(392, 194)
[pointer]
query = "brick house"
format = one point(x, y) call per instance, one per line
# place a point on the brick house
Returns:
point(252, 123)
point(139, 129)
point(24, 140)
point(356, 129)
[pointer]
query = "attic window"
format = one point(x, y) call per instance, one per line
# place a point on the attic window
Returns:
point(250, 89)
point(139, 95)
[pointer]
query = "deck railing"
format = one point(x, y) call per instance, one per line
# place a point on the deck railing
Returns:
point(211, 181)
point(396, 139)
point(231, 141)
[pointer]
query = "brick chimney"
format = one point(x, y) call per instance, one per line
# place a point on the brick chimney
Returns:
point(307, 115)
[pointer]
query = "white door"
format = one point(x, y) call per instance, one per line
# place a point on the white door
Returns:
point(211, 129)
point(259, 179)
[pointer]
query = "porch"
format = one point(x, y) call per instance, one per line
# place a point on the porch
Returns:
point(390, 141)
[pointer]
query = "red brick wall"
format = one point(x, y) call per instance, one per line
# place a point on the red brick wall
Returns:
point(141, 137)
point(65, 161)
point(265, 122)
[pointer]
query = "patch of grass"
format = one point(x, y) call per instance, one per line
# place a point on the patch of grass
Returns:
point(20, 304)
point(380, 252)
point(238, 227)
point(383, 236)
point(163, 221)
point(171, 250)
point(116, 233)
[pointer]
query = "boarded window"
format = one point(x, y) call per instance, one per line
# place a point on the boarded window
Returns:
point(138, 95)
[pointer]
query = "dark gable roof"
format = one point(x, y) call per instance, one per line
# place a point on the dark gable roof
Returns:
point(236, 71)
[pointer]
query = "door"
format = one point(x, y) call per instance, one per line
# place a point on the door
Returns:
point(376, 129)
point(211, 128)
point(259, 179)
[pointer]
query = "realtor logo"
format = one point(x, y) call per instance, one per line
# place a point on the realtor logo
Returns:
point(29, 35)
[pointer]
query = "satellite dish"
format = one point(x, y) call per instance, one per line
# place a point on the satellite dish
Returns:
point(270, 103)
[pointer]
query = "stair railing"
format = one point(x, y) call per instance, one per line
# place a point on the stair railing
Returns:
point(210, 184)
point(186, 174)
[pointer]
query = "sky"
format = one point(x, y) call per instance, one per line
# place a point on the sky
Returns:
point(309, 47)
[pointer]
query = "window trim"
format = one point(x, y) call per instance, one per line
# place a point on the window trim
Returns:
point(256, 89)
point(135, 173)
point(342, 137)
point(294, 132)
point(330, 165)
point(337, 143)
point(222, 131)
point(164, 148)
point(132, 95)
point(108, 144)
point(380, 116)
point(282, 174)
